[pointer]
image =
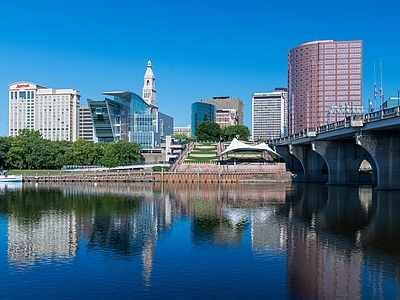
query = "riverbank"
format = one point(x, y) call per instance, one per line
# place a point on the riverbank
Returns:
point(173, 177)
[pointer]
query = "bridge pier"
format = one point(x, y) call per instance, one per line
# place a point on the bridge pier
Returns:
point(385, 150)
point(343, 159)
point(304, 162)
point(374, 137)
point(292, 162)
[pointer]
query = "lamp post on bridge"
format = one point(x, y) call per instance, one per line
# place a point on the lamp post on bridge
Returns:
point(398, 101)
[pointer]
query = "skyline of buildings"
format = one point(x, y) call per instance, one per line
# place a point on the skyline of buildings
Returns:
point(126, 116)
point(223, 110)
point(323, 77)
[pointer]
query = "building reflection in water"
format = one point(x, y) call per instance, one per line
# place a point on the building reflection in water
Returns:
point(53, 236)
point(327, 233)
point(330, 234)
point(221, 213)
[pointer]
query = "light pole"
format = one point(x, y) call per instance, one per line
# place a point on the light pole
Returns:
point(398, 101)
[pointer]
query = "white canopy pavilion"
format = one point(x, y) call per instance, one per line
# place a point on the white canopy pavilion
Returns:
point(237, 145)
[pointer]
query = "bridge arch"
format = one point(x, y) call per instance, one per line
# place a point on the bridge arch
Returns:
point(374, 137)
point(343, 159)
point(384, 149)
point(307, 164)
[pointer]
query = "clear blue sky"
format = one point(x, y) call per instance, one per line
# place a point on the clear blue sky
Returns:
point(199, 49)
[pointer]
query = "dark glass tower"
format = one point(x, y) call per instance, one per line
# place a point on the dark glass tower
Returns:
point(202, 112)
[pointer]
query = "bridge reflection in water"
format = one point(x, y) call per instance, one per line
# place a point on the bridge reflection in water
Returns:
point(330, 235)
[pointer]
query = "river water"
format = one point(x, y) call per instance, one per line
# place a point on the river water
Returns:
point(198, 241)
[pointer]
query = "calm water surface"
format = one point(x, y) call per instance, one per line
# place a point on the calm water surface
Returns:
point(190, 241)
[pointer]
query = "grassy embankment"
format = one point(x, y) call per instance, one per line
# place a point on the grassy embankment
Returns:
point(203, 153)
point(33, 172)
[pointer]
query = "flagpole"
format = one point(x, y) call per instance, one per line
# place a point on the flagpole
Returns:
point(381, 87)
point(375, 92)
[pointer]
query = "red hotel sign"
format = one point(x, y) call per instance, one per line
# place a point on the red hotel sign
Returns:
point(22, 85)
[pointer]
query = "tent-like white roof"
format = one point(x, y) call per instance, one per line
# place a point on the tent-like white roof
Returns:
point(237, 145)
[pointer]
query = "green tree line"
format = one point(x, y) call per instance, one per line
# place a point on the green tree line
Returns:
point(29, 150)
point(211, 131)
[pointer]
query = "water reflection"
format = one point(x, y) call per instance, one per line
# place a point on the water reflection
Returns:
point(9, 186)
point(328, 234)
point(334, 233)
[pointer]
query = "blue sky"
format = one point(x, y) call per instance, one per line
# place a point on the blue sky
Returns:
point(199, 49)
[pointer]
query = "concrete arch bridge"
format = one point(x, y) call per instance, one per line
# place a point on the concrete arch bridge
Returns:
point(335, 152)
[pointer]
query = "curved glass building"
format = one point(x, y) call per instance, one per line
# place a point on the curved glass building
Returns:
point(126, 116)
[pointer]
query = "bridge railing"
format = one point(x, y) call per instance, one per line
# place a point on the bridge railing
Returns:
point(347, 122)
point(383, 114)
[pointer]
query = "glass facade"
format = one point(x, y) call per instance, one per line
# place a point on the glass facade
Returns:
point(127, 117)
point(202, 112)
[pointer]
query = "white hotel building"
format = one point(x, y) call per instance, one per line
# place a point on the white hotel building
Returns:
point(54, 113)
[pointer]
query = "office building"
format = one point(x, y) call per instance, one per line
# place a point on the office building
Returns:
point(85, 124)
point(186, 131)
point(234, 105)
point(129, 117)
point(226, 117)
point(53, 112)
point(126, 116)
point(390, 103)
point(323, 76)
point(269, 114)
point(202, 112)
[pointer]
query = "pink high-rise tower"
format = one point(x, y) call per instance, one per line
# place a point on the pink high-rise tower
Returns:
point(324, 83)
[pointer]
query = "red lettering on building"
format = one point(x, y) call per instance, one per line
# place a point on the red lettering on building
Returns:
point(22, 85)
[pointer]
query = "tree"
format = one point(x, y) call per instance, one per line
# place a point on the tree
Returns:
point(63, 153)
point(42, 155)
point(81, 152)
point(121, 152)
point(241, 132)
point(28, 150)
point(22, 153)
point(182, 137)
point(208, 131)
point(4, 147)
point(96, 153)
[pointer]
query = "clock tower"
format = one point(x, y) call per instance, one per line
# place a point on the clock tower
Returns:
point(149, 87)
